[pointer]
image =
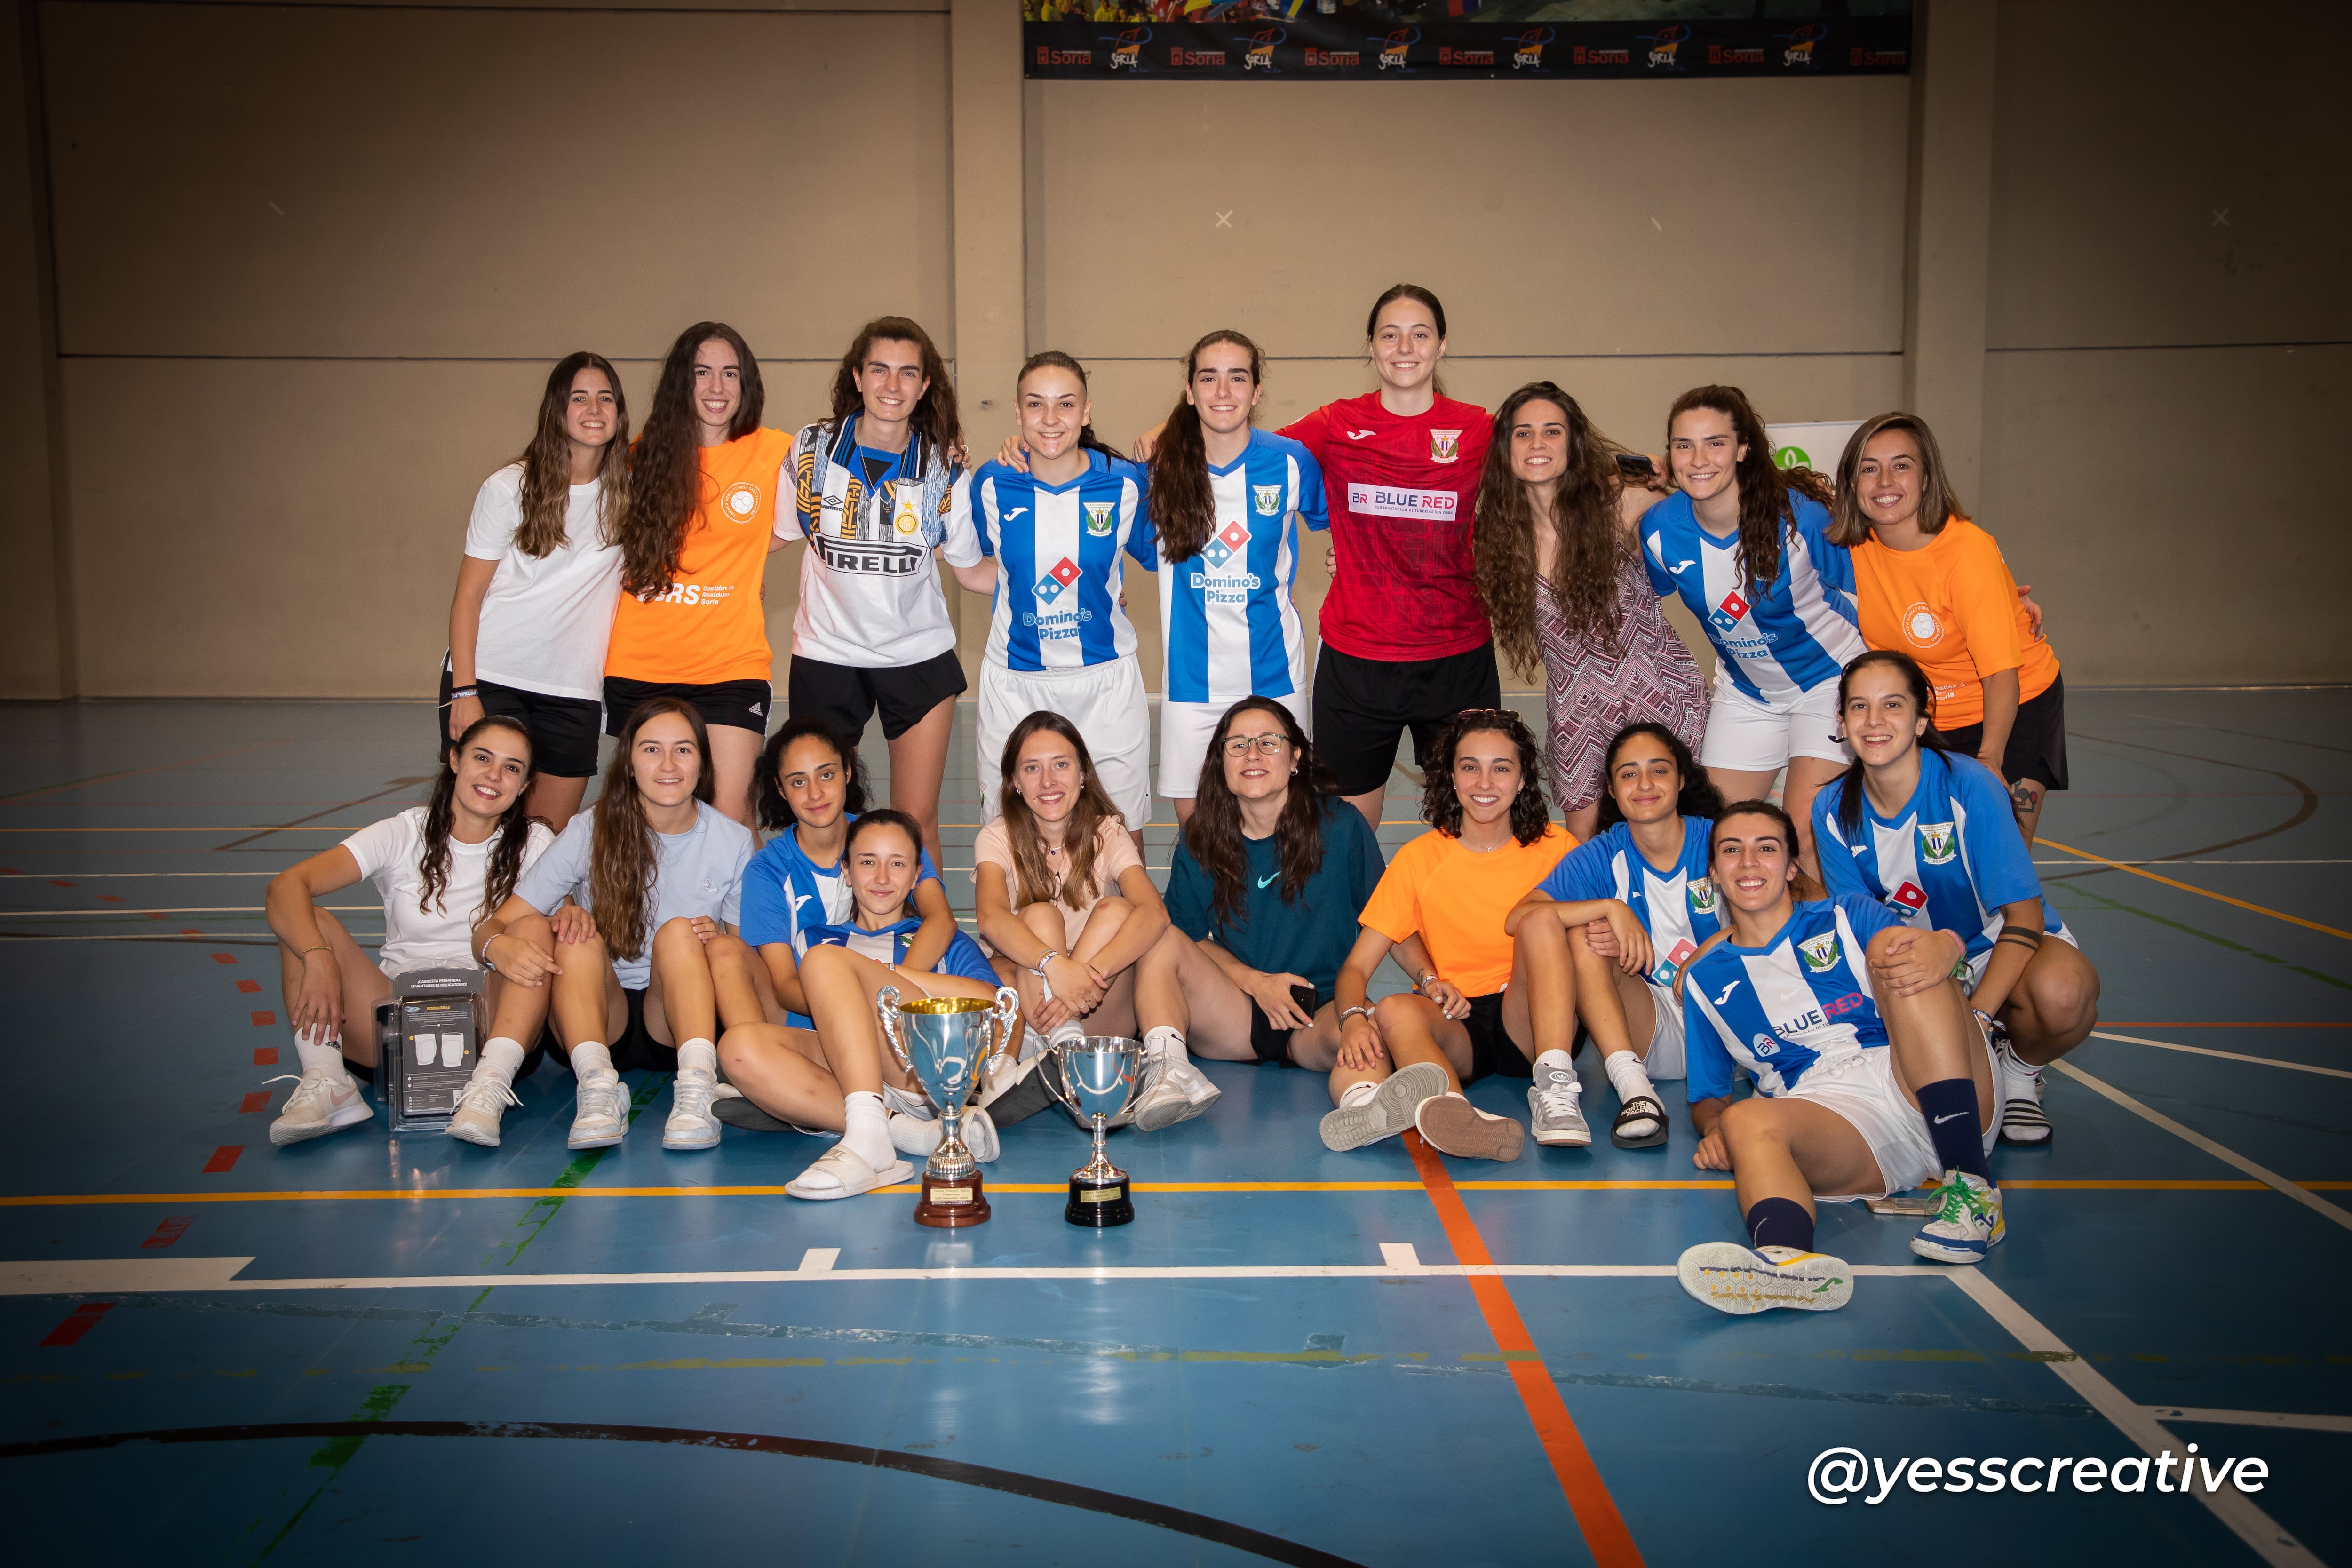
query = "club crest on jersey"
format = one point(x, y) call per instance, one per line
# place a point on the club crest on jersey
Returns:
point(1050, 587)
point(1268, 499)
point(1727, 614)
point(1936, 843)
point(1820, 952)
point(1100, 516)
point(907, 518)
point(1701, 895)
point(1445, 445)
point(1909, 897)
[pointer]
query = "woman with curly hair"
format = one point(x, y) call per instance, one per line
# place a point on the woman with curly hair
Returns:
point(1402, 1063)
point(694, 541)
point(1557, 555)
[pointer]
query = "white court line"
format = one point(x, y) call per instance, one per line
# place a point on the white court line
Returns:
point(2229, 1055)
point(2268, 1177)
point(2197, 863)
point(2282, 1419)
point(2232, 1507)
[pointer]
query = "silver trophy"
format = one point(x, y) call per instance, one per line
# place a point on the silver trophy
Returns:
point(1099, 1076)
point(946, 1042)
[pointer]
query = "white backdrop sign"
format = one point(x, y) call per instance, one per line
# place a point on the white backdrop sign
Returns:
point(1815, 446)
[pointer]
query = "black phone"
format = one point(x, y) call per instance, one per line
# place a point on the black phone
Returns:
point(1635, 463)
point(1304, 996)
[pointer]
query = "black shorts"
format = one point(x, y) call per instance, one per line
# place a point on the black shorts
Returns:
point(737, 704)
point(1360, 704)
point(1272, 1045)
point(845, 696)
point(1492, 1050)
point(636, 1048)
point(562, 728)
point(2037, 740)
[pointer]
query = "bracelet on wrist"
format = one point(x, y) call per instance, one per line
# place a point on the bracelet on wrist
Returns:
point(307, 952)
point(1050, 953)
point(458, 691)
point(1421, 985)
point(1347, 1013)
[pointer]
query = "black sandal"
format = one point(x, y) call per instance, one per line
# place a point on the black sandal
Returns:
point(1641, 1108)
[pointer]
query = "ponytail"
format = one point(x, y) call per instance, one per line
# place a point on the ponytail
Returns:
point(1184, 507)
point(1923, 696)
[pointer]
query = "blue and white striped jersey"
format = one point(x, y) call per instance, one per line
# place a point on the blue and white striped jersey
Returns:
point(1947, 861)
point(1228, 626)
point(1778, 1009)
point(1677, 907)
point(1057, 549)
point(1790, 636)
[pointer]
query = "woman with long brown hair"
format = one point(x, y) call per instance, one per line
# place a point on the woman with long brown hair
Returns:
point(879, 488)
point(654, 877)
point(1557, 550)
point(704, 486)
point(536, 586)
point(1268, 878)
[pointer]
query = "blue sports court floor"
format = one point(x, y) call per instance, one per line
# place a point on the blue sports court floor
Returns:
point(353, 1348)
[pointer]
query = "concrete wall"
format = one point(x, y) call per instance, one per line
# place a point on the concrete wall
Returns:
point(311, 261)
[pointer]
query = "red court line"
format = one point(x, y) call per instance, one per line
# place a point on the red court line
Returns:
point(79, 1322)
point(249, 985)
point(223, 1158)
point(264, 1056)
point(257, 1100)
point(263, 1020)
point(1605, 1535)
point(134, 772)
point(170, 1231)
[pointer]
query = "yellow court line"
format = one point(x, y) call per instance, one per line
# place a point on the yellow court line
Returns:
point(2204, 892)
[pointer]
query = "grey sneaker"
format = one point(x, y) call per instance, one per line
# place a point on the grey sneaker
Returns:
point(1390, 1111)
point(690, 1123)
point(1556, 1108)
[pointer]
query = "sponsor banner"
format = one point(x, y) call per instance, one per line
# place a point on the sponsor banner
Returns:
point(1816, 445)
point(1263, 40)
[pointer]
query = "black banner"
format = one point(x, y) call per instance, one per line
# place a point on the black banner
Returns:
point(1314, 47)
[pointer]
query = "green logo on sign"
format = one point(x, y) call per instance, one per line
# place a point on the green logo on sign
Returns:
point(1792, 458)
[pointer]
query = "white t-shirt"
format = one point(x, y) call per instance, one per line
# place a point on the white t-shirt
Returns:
point(546, 618)
point(698, 872)
point(871, 592)
point(388, 853)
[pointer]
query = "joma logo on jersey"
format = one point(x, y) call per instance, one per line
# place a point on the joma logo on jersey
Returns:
point(1268, 499)
point(1702, 895)
point(1100, 515)
point(1729, 613)
point(1050, 587)
point(1820, 952)
point(1445, 445)
point(1936, 843)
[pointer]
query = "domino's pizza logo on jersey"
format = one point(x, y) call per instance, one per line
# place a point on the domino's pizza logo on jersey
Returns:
point(1936, 843)
point(1910, 898)
point(1445, 445)
point(1673, 960)
point(1820, 953)
point(1729, 613)
point(1100, 515)
point(1050, 587)
point(1268, 499)
point(1702, 895)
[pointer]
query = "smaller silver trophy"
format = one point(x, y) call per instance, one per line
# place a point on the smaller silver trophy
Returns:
point(1099, 1076)
point(946, 1042)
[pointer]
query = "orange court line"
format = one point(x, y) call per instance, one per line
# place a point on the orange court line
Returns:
point(2186, 887)
point(1605, 1535)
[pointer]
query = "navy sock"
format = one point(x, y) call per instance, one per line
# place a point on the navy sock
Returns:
point(1951, 1107)
point(1780, 1222)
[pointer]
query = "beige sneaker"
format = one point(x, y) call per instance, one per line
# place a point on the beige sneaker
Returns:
point(319, 1105)
point(1452, 1125)
point(480, 1107)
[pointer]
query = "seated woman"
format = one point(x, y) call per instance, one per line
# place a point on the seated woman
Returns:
point(837, 1075)
point(1402, 1063)
point(652, 874)
point(1863, 1088)
point(1604, 936)
point(1066, 902)
point(1270, 873)
point(440, 866)
point(1930, 835)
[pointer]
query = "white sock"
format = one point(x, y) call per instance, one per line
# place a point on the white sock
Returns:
point(868, 1130)
point(1559, 1062)
point(500, 1059)
point(911, 1135)
point(1628, 1076)
point(1167, 1043)
point(699, 1056)
point(1359, 1093)
point(323, 1054)
point(589, 1059)
point(1033, 1043)
point(1068, 1029)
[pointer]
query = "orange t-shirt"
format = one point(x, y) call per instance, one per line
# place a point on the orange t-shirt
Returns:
point(1456, 900)
point(1953, 606)
point(709, 626)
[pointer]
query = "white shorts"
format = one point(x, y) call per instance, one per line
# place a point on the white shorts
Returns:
point(1105, 701)
point(1666, 1059)
point(1184, 731)
point(1862, 1088)
point(1752, 737)
point(1977, 964)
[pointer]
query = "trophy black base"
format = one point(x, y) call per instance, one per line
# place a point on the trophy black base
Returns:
point(1099, 1205)
point(951, 1204)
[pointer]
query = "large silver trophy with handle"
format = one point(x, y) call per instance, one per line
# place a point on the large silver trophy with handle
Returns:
point(1100, 1074)
point(946, 1042)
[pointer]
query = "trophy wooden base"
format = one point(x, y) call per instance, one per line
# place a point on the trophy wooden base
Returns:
point(952, 1205)
point(1099, 1205)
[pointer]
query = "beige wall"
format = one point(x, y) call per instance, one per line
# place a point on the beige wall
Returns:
point(312, 261)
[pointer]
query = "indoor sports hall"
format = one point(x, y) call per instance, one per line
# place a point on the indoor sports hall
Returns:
point(283, 284)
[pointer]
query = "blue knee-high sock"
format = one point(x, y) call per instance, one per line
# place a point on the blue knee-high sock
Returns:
point(1951, 1107)
point(1780, 1222)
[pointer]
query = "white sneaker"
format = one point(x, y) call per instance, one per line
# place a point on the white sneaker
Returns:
point(318, 1104)
point(603, 1113)
point(690, 1123)
point(1174, 1092)
point(1556, 1109)
point(1732, 1278)
point(1967, 1223)
point(480, 1107)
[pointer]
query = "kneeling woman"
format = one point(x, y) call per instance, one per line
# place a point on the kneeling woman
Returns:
point(1863, 1088)
point(1604, 936)
point(836, 1076)
point(1270, 874)
point(439, 868)
point(654, 873)
point(1930, 835)
point(1403, 1062)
